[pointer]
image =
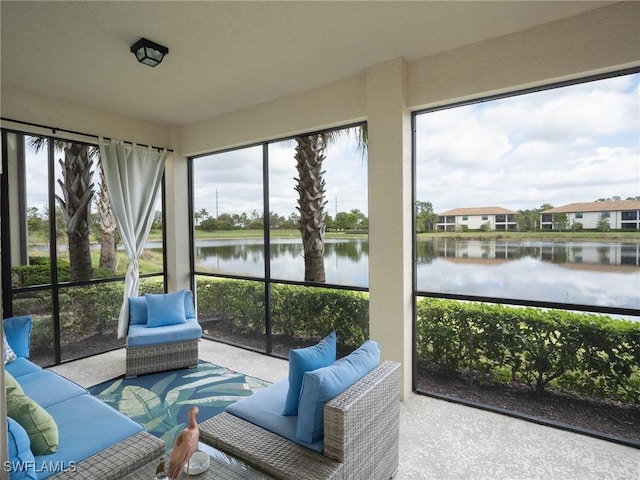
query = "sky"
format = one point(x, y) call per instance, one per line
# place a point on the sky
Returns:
point(559, 146)
point(237, 178)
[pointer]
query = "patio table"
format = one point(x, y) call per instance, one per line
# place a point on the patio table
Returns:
point(223, 467)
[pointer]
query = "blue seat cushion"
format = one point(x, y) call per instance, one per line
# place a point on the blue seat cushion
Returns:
point(21, 461)
point(21, 366)
point(264, 409)
point(48, 388)
point(140, 335)
point(77, 418)
point(302, 360)
point(321, 385)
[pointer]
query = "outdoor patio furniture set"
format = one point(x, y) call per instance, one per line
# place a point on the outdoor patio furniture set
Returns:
point(329, 420)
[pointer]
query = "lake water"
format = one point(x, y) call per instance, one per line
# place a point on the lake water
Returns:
point(604, 274)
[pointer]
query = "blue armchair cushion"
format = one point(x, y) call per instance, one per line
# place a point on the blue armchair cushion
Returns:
point(140, 335)
point(302, 360)
point(138, 311)
point(165, 309)
point(18, 333)
point(21, 460)
point(321, 385)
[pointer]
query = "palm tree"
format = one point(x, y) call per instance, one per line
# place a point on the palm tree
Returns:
point(309, 156)
point(77, 192)
point(107, 225)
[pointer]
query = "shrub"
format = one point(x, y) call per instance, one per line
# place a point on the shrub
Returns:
point(586, 354)
point(296, 311)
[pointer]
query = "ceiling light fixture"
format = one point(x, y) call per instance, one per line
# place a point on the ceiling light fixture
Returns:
point(148, 52)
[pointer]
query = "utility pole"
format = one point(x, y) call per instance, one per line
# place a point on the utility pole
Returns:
point(216, 203)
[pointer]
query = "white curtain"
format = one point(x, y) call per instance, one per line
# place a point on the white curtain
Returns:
point(133, 175)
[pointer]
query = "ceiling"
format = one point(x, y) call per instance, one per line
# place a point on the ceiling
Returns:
point(224, 56)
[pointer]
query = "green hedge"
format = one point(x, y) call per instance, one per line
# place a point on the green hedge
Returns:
point(84, 310)
point(581, 353)
point(38, 272)
point(296, 311)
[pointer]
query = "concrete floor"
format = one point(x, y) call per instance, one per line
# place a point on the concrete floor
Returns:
point(438, 439)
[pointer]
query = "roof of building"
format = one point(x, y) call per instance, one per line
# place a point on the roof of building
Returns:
point(479, 211)
point(606, 206)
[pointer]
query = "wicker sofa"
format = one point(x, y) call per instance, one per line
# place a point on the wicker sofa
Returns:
point(361, 435)
point(93, 440)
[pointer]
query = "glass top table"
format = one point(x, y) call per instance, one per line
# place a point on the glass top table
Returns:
point(223, 467)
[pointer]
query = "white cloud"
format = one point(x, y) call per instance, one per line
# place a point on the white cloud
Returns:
point(559, 146)
point(237, 176)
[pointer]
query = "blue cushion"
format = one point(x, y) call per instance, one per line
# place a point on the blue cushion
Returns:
point(264, 408)
point(189, 307)
point(321, 385)
point(302, 360)
point(18, 332)
point(140, 335)
point(21, 461)
point(166, 309)
point(137, 310)
point(78, 419)
point(48, 388)
point(21, 366)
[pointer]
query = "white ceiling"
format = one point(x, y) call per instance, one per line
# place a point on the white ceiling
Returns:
point(224, 56)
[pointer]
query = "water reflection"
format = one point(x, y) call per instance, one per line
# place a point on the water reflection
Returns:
point(590, 273)
point(346, 261)
point(586, 253)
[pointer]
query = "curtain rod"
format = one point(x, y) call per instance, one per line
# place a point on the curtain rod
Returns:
point(55, 130)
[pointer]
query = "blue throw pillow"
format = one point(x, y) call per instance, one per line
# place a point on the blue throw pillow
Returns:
point(302, 360)
point(167, 309)
point(21, 460)
point(189, 307)
point(321, 385)
point(137, 310)
point(18, 333)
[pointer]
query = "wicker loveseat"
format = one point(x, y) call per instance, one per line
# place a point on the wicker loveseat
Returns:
point(361, 435)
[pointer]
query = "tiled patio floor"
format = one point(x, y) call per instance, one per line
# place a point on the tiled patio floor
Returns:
point(438, 439)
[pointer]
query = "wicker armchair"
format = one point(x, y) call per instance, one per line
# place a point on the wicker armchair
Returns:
point(166, 347)
point(361, 435)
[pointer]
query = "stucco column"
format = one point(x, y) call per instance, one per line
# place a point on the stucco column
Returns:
point(177, 220)
point(390, 217)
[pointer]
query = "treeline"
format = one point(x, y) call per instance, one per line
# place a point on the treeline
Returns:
point(38, 225)
point(353, 220)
